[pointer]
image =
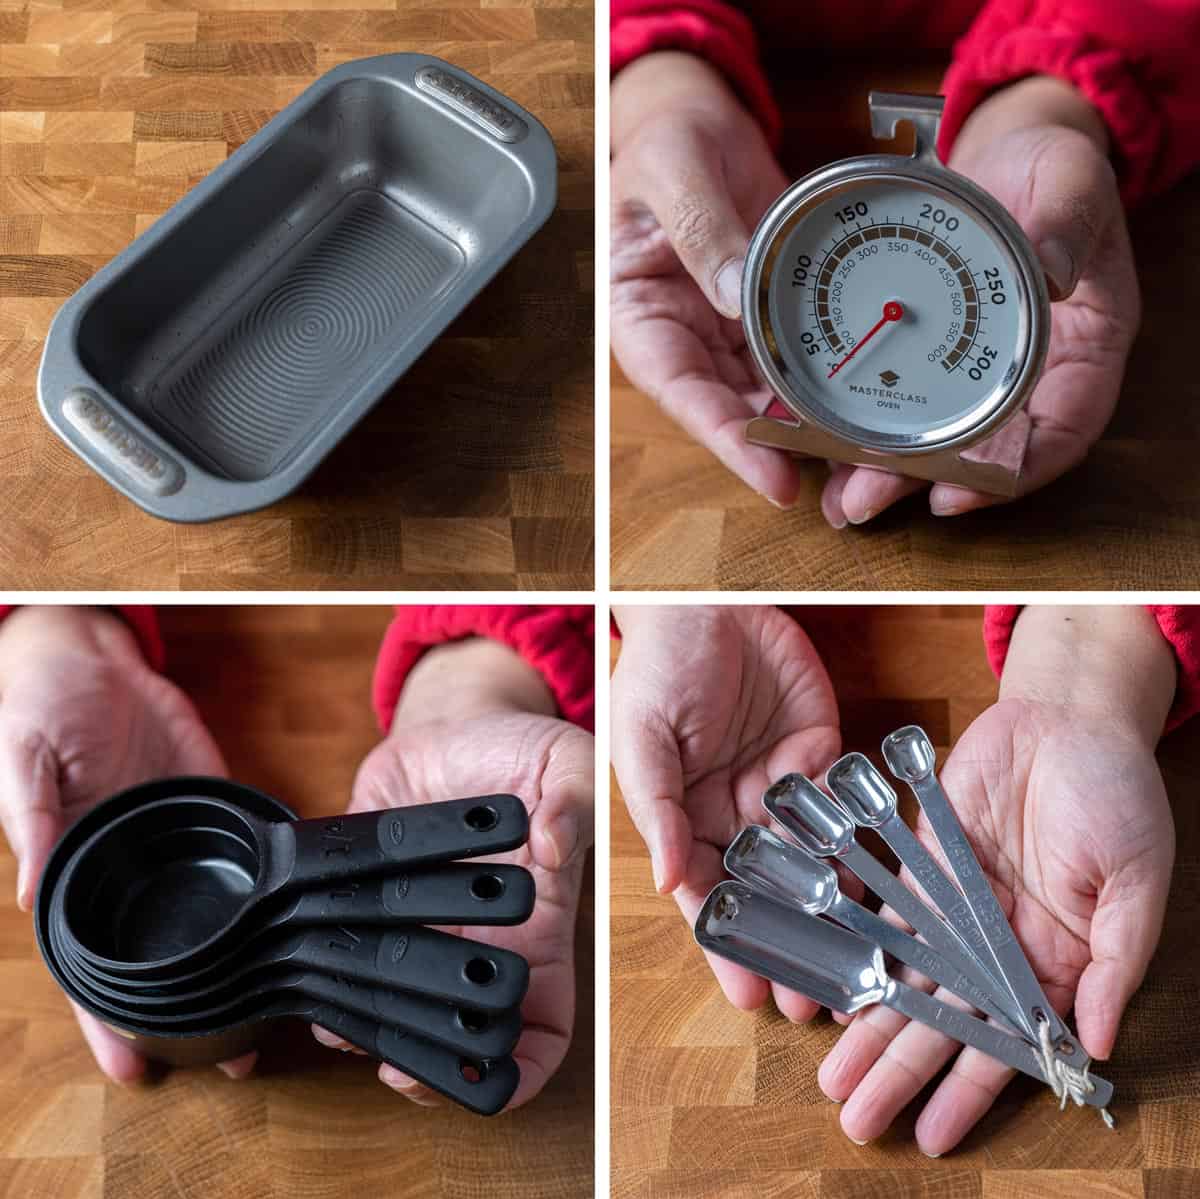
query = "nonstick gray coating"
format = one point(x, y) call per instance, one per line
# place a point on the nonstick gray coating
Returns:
point(212, 364)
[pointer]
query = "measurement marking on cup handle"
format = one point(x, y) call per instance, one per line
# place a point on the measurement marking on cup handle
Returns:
point(336, 843)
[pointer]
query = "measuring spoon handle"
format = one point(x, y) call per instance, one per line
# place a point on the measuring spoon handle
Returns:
point(482, 1087)
point(454, 893)
point(1016, 973)
point(914, 953)
point(474, 1034)
point(968, 1030)
point(942, 892)
point(905, 904)
point(949, 900)
point(316, 852)
point(422, 960)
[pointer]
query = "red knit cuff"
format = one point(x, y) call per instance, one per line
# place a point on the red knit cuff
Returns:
point(142, 621)
point(709, 29)
point(557, 640)
point(1001, 48)
point(1178, 623)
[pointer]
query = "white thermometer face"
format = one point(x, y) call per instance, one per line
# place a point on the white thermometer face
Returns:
point(899, 311)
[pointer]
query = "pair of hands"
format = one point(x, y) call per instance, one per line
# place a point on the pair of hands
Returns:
point(82, 716)
point(691, 180)
point(1055, 785)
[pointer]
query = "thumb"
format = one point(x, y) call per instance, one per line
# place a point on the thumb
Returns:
point(30, 810)
point(1069, 202)
point(1126, 926)
point(561, 829)
point(646, 759)
point(689, 195)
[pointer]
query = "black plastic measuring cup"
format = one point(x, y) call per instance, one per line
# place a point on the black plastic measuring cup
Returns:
point(420, 961)
point(173, 881)
point(468, 1031)
point(458, 1050)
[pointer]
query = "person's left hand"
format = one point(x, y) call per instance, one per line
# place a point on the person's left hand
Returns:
point(1041, 150)
point(459, 732)
point(1066, 810)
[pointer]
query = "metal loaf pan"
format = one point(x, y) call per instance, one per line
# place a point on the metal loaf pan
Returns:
point(210, 366)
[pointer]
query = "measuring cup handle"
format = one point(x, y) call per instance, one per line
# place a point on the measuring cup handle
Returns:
point(475, 1034)
point(422, 960)
point(368, 843)
point(456, 893)
point(482, 1087)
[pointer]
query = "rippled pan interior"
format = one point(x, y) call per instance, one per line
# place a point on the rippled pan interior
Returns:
point(276, 307)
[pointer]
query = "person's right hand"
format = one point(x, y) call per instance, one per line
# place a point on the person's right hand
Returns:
point(691, 176)
point(82, 716)
point(710, 705)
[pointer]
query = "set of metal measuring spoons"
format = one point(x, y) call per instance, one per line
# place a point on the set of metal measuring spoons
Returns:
point(770, 919)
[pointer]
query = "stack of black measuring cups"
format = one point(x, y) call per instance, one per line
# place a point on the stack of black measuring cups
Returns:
point(187, 912)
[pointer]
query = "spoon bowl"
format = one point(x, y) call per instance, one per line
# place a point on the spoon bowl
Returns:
point(760, 859)
point(861, 790)
point(909, 754)
point(809, 815)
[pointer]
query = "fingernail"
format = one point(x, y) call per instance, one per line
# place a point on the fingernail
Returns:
point(776, 503)
point(941, 506)
point(1059, 266)
point(857, 1141)
point(728, 286)
point(228, 1070)
point(935, 1155)
point(328, 1039)
point(833, 514)
point(23, 888)
point(656, 870)
point(392, 1077)
point(563, 835)
point(862, 517)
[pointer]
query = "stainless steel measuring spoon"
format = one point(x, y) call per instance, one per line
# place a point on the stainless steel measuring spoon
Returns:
point(871, 802)
point(910, 757)
point(841, 970)
point(825, 831)
point(790, 876)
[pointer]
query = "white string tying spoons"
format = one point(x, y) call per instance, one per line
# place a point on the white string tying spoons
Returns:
point(1066, 1081)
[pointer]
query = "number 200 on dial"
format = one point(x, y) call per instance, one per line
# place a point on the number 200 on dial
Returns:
point(897, 307)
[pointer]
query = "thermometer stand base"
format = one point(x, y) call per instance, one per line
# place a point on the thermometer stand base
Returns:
point(940, 466)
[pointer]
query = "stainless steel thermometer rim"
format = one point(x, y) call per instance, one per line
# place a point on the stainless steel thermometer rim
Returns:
point(1013, 387)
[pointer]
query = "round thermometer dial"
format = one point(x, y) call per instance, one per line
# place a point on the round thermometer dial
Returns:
point(893, 311)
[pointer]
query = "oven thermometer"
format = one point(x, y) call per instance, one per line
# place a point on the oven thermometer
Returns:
point(897, 310)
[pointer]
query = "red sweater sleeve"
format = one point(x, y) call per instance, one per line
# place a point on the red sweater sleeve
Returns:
point(142, 620)
point(557, 640)
point(1178, 623)
point(1134, 60)
point(710, 29)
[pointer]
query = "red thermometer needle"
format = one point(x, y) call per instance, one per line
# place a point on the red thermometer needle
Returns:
point(892, 311)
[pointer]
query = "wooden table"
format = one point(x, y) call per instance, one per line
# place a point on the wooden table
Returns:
point(1128, 518)
point(710, 1101)
point(474, 472)
point(286, 694)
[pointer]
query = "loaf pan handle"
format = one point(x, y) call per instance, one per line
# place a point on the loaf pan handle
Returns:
point(465, 96)
point(123, 450)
